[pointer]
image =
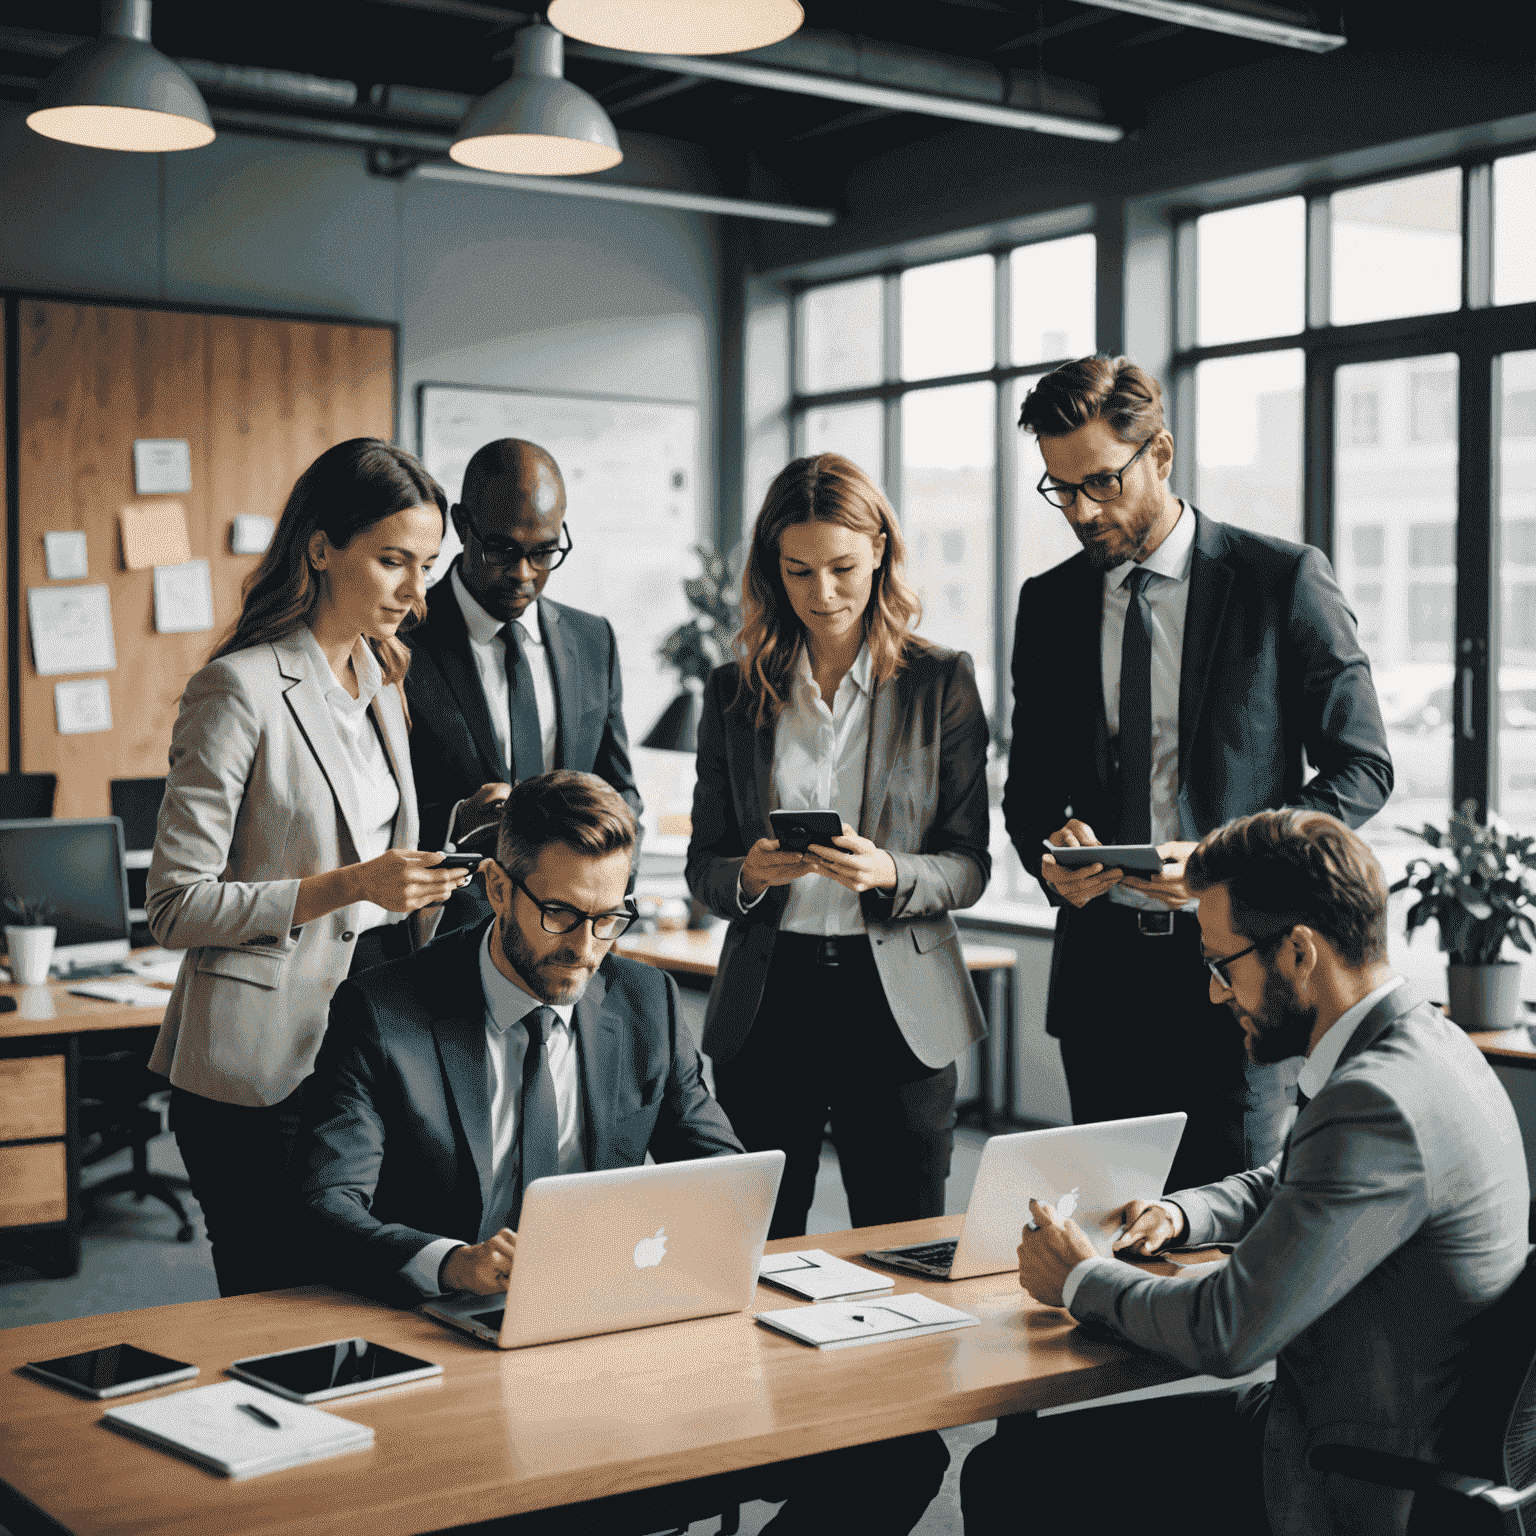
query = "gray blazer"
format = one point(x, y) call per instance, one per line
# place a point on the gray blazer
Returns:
point(1396, 1213)
point(925, 803)
point(258, 796)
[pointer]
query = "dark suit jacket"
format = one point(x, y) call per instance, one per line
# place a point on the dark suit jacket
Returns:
point(1365, 1252)
point(453, 746)
point(925, 803)
point(394, 1150)
point(1272, 669)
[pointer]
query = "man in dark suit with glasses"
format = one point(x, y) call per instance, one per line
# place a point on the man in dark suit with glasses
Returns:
point(505, 684)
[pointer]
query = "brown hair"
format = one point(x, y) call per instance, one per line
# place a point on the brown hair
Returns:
point(579, 810)
point(1112, 388)
point(347, 489)
point(825, 488)
point(1282, 868)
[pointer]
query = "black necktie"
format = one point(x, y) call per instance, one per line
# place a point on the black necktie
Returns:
point(525, 741)
point(1136, 716)
point(538, 1117)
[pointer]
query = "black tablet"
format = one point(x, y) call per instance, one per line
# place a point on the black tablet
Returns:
point(797, 830)
point(315, 1373)
point(110, 1372)
point(1134, 858)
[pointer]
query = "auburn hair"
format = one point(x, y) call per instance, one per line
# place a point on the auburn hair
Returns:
point(347, 489)
point(824, 488)
point(1113, 389)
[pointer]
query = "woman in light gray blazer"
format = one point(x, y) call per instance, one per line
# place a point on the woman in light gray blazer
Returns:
point(285, 854)
point(841, 989)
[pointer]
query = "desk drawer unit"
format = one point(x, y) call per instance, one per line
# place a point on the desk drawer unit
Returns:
point(37, 1146)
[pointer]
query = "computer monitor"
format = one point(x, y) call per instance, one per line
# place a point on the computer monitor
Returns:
point(77, 867)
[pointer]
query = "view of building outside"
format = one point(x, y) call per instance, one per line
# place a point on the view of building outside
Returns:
point(1515, 709)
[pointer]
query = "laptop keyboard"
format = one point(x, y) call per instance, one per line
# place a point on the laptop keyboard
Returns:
point(939, 1255)
point(491, 1320)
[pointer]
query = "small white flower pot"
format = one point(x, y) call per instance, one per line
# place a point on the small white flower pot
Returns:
point(1484, 996)
point(30, 951)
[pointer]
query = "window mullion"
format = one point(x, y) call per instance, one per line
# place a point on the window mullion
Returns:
point(1477, 237)
point(1003, 496)
point(890, 357)
point(1471, 758)
point(1319, 258)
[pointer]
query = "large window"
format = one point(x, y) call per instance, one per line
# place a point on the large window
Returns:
point(924, 397)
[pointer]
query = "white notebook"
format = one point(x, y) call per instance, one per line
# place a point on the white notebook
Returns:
point(841, 1324)
point(819, 1276)
point(226, 1428)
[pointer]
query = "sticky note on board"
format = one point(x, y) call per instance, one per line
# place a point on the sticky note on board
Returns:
point(83, 707)
point(65, 554)
point(155, 533)
point(161, 464)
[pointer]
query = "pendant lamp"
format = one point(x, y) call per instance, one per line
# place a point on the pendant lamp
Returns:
point(118, 92)
point(537, 123)
point(677, 26)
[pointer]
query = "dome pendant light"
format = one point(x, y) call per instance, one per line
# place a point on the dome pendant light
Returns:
point(677, 26)
point(537, 123)
point(118, 92)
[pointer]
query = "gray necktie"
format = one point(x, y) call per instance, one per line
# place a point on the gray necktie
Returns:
point(538, 1116)
point(525, 740)
point(1136, 715)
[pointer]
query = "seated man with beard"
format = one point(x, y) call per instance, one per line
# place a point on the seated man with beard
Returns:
point(1394, 1214)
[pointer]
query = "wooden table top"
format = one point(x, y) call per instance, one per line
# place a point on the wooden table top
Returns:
point(507, 1431)
point(52, 1009)
point(1513, 1047)
point(697, 951)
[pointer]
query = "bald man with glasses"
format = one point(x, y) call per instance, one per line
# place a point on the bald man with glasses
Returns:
point(504, 683)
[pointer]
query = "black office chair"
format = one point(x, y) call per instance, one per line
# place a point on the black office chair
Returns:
point(26, 796)
point(1490, 1481)
point(118, 1109)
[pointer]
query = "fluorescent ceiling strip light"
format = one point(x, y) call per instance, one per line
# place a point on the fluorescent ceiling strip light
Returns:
point(1211, 18)
point(654, 197)
point(863, 92)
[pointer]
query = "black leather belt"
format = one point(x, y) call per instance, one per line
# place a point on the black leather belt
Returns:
point(835, 950)
point(1154, 925)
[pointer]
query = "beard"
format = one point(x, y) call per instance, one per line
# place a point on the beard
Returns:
point(1281, 1027)
point(538, 973)
point(1105, 554)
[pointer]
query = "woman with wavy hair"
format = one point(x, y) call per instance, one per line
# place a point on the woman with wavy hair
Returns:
point(841, 989)
point(285, 854)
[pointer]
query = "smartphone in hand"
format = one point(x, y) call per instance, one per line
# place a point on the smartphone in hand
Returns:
point(797, 830)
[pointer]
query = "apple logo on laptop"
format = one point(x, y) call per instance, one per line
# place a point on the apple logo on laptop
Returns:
point(1067, 1204)
point(650, 1251)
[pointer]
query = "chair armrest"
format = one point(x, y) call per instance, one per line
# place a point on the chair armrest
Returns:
point(1404, 1472)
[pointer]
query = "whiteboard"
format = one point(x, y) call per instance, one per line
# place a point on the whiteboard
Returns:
point(631, 470)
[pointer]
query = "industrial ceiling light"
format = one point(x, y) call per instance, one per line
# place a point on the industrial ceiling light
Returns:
point(1217, 18)
point(537, 123)
point(677, 26)
point(118, 92)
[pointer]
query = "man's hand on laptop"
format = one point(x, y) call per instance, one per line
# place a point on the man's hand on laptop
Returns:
point(1150, 1226)
point(1049, 1252)
point(485, 1268)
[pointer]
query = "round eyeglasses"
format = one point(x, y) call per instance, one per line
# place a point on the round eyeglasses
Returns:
point(1102, 487)
point(504, 553)
point(557, 917)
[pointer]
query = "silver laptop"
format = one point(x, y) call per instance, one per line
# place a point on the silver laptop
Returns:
point(626, 1248)
point(1087, 1172)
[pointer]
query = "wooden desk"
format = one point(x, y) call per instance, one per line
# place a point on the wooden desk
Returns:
point(1509, 1047)
point(694, 952)
point(39, 1132)
point(506, 1432)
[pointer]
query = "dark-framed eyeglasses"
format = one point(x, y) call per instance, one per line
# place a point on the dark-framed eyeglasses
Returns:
point(1217, 965)
point(503, 553)
point(557, 917)
point(1102, 487)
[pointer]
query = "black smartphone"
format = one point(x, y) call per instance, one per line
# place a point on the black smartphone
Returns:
point(110, 1372)
point(797, 830)
point(1134, 858)
point(462, 861)
point(316, 1373)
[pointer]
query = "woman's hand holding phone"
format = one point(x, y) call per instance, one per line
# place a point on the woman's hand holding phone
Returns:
point(854, 862)
point(766, 865)
point(406, 879)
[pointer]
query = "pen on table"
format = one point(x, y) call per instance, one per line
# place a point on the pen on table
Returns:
point(260, 1415)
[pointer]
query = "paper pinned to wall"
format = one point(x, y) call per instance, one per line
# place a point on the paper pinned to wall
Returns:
point(250, 534)
point(66, 555)
point(83, 707)
point(183, 598)
point(161, 465)
point(71, 629)
point(155, 533)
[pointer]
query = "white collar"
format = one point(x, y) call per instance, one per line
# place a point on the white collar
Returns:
point(509, 1002)
point(1325, 1054)
point(1172, 558)
point(484, 627)
point(858, 673)
point(365, 668)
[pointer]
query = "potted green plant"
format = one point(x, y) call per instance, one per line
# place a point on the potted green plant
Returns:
point(1480, 886)
point(29, 939)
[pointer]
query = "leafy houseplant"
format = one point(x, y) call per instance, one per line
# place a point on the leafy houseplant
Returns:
point(29, 939)
point(1481, 889)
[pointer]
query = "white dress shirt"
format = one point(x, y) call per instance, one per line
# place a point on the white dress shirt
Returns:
point(818, 764)
point(373, 780)
point(1167, 596)
point(506, 1043)
point(1319, 1067)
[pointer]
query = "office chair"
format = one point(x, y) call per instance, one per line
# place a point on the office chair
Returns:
point(1490, 1485)
point(26, 796)
point(117, 1091)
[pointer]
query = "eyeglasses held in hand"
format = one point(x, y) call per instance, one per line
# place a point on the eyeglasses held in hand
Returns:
point(557, 917)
